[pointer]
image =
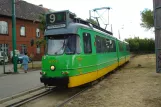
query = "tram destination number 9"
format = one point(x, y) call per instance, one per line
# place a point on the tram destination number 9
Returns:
point(56, 18)
point(52, 18)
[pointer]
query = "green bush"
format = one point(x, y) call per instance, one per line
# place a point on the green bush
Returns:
point(138, 45)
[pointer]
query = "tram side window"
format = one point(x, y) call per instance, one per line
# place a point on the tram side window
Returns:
point(78, 49)
point(98, 44)
point(127, 48)
point(107, 45)
point(103, 45)
point(121, 48)
point(87, 43)
point(110, 45)
point(113, 46)
point(70, 45)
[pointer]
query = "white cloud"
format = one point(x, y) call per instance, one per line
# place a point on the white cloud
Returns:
point(124, 14)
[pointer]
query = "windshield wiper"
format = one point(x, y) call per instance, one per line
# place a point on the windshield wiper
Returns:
point(64, 44)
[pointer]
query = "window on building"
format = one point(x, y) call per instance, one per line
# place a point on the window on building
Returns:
point(87, 43)
point(4, 48)
point(23, 49)
point(3, 27)
point(38, 49)
point(22, 31)
point(37, 32)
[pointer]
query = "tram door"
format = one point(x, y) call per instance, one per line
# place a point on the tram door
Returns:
point(88, 63)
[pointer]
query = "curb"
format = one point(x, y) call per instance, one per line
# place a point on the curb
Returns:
point(1, 75)
point(19, 72)
point(21, 94)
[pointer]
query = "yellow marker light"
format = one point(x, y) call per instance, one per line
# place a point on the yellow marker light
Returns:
point(52, 68)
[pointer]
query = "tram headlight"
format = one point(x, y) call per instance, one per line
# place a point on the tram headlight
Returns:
point(52, 67)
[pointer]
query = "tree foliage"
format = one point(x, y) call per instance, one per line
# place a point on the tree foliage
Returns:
point(92, 21)
point(147, 19)
point(42, 22)
point(40, 42)
point(141, 45)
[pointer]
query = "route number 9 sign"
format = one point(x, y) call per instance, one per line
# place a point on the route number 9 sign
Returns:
point(56, 18)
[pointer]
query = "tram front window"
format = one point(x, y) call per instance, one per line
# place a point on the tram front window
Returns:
point(61, 44)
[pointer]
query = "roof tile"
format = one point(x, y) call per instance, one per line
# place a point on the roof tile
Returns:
point(24, 10)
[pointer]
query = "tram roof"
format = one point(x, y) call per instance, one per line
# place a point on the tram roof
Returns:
point(72, 28)
point(65, 22)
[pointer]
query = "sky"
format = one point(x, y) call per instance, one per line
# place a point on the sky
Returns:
point(124, 15)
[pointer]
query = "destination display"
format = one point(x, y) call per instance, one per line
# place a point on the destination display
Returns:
point(56, 26)
point(56, 18)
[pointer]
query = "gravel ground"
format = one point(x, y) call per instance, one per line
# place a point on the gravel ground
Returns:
point(135, 85)
point(53, 99)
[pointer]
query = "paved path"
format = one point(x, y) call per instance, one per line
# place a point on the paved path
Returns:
point(16, 83)
point(9, 67)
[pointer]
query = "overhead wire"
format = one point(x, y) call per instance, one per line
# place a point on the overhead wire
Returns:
point(103, 20)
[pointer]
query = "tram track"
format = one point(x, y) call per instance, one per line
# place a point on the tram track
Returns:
point(22, 101)
point(72, 97)
point(65, 95)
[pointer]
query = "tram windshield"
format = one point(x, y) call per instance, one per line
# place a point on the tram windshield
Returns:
point(60, 44)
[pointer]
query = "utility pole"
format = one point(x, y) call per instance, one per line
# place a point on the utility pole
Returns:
point(157, 25)
point(14, 35)
point(119, 34)
point(89, 14)
point(111, 28)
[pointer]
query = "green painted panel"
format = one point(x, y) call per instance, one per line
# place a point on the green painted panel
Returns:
point(82, 63)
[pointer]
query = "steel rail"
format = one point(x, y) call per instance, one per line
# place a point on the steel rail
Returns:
point(70, 98)
point(22, 102)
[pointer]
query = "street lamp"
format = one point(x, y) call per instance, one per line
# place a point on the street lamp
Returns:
point(122, 27)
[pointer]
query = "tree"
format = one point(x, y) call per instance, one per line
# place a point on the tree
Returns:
point(40, 42)
point(147, 19)
point(42, 22)
point(141, 45)
point(92, 21)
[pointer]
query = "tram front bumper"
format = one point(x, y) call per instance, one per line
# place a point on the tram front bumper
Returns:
point(57, 81)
